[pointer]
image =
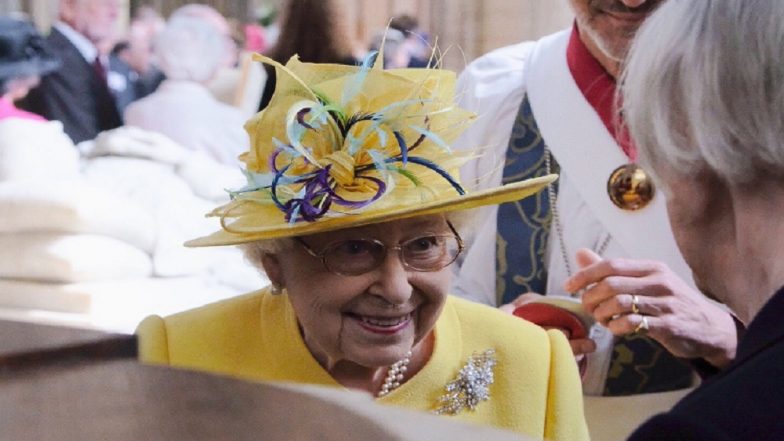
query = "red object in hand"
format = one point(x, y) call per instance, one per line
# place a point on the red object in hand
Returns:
point(549, 316)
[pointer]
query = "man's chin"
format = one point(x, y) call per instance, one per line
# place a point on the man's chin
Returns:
point(613, 47)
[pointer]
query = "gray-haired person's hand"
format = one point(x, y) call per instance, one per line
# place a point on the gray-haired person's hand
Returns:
point(629, 296)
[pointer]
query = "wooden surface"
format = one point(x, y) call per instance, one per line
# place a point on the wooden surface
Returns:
point(25, 345)
point(615, 418)
point(123, 400)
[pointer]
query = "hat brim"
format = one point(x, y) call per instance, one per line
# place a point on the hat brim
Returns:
point(498, 195)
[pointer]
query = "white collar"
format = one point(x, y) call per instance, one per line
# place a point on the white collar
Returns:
point(83, 45)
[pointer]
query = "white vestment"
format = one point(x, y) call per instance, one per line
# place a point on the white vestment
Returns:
point(493, 86)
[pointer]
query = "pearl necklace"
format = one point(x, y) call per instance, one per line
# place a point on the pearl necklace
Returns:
point(395, 375)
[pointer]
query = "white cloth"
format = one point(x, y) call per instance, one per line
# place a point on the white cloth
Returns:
point(207, 178)
point(74, 206)
point(36, 151)
point(69, 258)
point(186, 112)
point(78, 241)
point(178, 215)
point(493, 86)
point(113, 305)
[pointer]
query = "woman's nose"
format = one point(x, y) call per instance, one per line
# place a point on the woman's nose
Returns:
point(392, 282)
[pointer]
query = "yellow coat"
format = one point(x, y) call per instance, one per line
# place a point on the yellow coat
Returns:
point(536, 388)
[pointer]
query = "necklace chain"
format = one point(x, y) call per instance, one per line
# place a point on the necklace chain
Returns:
point(557, 219)
point(395, 375)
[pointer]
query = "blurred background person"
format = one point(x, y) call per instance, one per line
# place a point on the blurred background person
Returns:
point(120, 77)
point(190, 51)
point(77, 94)
point(32, 149)
point(211, 16)
point(133, 73)
point(395, 54)
point(24, 57)
point(239, 80)
point(416, 43)
point(145, 27)
point(255, 37)
point(313, 29)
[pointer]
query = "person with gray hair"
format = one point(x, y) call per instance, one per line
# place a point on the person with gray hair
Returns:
point(703, 95)
point(210, 15)
point(190, 51)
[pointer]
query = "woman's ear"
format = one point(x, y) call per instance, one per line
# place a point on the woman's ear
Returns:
point(273, 269)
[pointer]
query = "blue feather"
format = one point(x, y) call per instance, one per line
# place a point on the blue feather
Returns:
point(355, 84)
point(433, 137)
point(403, 147)
point(432, 166)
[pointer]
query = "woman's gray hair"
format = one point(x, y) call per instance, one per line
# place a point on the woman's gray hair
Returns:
point(254, 251)
point(704, 88)
point(189, 48)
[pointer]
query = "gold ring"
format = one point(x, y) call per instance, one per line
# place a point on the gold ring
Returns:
point(635, 304)
point(642, 328)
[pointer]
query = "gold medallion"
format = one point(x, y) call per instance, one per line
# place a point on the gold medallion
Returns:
point(630, 188)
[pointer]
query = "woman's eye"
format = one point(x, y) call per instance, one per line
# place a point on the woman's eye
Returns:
point(422, 244)
point(354, 247)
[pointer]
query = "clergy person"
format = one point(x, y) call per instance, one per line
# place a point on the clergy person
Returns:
point(548, 106)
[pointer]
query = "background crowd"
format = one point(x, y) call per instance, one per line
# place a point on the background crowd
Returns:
point(113, 146)
point(125, 136)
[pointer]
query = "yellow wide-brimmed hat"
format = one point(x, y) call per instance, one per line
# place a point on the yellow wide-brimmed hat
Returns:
point(343, 146)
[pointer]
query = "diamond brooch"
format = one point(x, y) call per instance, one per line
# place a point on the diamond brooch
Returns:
point(470, 387)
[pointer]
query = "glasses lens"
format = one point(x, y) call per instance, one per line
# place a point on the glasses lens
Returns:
point(430, 253)
point(354, 257)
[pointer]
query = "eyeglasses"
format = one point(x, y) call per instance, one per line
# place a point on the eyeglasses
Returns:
point(358, 256)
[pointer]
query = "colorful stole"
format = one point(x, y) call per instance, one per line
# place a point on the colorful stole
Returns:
point(523, 226)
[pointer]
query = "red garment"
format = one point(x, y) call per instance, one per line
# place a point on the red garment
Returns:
point(9, 110)
point(598, 88)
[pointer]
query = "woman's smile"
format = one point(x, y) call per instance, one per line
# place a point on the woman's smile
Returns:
point(378, 324)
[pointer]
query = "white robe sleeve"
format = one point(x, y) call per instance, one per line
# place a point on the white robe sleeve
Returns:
point(493, 88)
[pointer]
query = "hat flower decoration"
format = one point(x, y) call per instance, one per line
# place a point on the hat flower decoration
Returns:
point(342, 146)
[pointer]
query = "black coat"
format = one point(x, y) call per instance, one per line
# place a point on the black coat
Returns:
point(745, 401)
point(74, 95)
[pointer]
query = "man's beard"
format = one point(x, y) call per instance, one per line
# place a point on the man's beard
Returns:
point(612, 50)
point(617, 48)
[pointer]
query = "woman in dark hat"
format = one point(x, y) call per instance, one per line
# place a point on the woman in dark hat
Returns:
point(24, 57)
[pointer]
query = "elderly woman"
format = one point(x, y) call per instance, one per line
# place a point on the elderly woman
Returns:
point(24, 57)
point(190, 51)
point(352, 209)
point(704, 99)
